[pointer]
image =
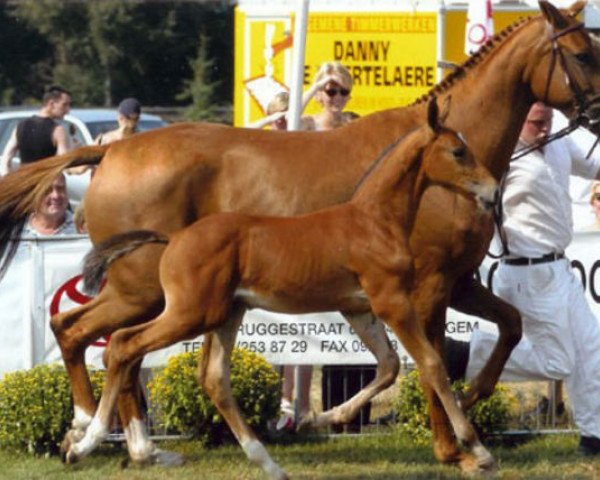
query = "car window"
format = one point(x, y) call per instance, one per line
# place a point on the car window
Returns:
point(96, 128)
point(144, 125)
point(7, 126)
point(77, 138)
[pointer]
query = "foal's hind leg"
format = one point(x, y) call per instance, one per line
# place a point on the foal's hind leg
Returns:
point(372, 332)
point(214, 376)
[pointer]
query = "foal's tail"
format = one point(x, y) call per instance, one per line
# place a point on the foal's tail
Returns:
point(98, 260)
point(22, 190)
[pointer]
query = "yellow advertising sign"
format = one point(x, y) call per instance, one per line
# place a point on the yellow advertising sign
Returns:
point(391, 56)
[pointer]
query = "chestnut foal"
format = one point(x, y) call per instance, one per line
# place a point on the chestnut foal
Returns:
point(353, 257)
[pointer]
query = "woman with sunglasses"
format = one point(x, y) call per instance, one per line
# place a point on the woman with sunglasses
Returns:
point(595, 202)
point(333, 97)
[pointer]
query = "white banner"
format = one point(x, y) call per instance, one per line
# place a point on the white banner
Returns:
point(45, 278)
point(480, 25)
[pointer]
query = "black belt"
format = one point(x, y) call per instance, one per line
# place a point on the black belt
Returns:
point(549, 257)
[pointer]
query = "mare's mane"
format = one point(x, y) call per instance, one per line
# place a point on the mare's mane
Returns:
point(485, 50)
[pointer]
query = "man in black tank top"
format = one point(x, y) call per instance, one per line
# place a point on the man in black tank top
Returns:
point(40, 136)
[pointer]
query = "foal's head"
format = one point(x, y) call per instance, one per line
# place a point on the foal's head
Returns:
point(447, 160)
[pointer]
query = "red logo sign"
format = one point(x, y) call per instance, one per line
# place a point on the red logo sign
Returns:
point(69, 288)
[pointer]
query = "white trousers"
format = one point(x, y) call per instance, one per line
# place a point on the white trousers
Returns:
point(561, 336)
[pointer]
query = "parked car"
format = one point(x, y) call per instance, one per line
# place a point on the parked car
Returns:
point(84, 125)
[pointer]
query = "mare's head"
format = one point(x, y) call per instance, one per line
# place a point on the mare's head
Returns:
point(447, 160)
point(564, 66)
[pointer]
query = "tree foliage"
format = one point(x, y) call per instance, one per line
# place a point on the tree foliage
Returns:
point(105, 50)
point(199, 90)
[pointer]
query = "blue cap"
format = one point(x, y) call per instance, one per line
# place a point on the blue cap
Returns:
point(129, 107)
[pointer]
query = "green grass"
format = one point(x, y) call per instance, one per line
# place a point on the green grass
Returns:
point(377, 457)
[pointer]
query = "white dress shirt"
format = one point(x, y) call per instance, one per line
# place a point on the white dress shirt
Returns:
point(536, 203)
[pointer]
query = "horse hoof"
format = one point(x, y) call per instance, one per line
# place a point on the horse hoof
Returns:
point(167, 459)
point(307, 422)
point(477, 467)
point(70, 458)
point(71, 438)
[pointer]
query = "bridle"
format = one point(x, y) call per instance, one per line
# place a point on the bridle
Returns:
point(578, 92)
point(581, 101)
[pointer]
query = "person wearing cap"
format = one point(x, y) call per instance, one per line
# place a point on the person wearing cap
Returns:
point(561, 335)
point(40, 136)
point(128, 115)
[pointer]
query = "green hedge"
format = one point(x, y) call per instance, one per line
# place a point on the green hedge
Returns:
point(36, 408)
point(180, 405)
point(488, 416)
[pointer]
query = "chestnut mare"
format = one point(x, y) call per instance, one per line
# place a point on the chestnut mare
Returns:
point(166, 179)
point(352, 257)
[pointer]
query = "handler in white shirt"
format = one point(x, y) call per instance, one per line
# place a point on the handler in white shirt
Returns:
point(561, 336)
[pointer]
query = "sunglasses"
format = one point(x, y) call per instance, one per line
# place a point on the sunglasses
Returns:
point(332, 92)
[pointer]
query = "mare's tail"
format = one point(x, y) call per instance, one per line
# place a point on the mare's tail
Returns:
point(22, 190)
point(98, 260)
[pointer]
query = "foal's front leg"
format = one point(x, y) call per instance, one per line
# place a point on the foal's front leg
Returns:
point(393, 305)
point(372, 332)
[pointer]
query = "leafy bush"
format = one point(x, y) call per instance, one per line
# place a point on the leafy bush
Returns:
point(488, 416)
point(182, 406)
point(36, 407)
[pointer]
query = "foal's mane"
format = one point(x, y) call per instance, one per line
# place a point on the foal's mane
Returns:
point(376, 165)
point(485, 50)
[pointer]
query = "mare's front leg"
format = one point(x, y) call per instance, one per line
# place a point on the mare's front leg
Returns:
point(214, 375)
point(372, 332)
point(471, 297)
point(390, 302)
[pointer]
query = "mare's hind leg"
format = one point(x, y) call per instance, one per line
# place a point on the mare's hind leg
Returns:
point(395, 308)
point(141, 449)
point(214, 376)
point(471, 297)
point(372, 332)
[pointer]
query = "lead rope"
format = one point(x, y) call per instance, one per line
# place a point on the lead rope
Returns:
point(498, 210)
point(498, 213)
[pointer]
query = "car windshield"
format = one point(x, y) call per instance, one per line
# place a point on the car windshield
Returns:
point(96, 128)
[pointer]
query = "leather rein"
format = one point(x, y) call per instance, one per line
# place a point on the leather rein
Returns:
point(581, 103)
